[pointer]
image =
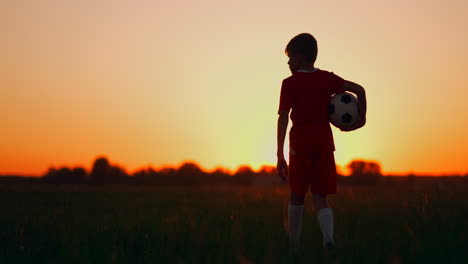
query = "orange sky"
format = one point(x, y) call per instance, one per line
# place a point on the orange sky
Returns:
point(149, 82)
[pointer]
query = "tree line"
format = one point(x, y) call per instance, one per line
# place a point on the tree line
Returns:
point(362, 172)
point(189, 173)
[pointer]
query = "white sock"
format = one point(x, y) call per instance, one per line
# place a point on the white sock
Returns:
point(325, 218)
point(295, 223)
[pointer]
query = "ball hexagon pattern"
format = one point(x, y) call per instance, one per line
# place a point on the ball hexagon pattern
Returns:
point(343, 110)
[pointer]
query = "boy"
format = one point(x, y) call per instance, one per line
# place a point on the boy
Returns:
point(307, 92)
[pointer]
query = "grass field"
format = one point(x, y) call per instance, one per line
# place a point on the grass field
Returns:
point(86, 224)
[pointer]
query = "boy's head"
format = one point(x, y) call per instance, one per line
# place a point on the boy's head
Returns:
point(302, 49)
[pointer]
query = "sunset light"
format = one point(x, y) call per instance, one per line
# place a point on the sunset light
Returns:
point(156, 83)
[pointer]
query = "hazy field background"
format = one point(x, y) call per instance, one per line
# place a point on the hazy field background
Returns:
point(227, 224)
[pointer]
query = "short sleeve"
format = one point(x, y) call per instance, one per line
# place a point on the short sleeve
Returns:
point(336, 84)
point(285, 98)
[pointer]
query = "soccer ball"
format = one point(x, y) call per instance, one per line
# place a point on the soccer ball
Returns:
point(343, 110)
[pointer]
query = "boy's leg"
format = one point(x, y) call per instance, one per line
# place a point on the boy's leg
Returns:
point(320, 201)
point(325, 219)
point(323, 183)
point(295, 212)
point(299, 171)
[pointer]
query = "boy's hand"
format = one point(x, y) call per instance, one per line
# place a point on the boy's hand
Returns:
point(282, 168)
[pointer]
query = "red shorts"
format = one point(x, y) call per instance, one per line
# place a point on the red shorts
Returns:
point(314, 171)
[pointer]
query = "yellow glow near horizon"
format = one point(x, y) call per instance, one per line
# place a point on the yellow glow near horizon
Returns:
point(159, 82)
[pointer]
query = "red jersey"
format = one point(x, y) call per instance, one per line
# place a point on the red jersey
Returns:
point(308, 94)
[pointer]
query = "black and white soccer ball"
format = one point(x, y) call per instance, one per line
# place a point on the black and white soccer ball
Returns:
point(343, 110)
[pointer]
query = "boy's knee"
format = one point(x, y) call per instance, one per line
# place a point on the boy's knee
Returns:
point(320, 201)
point(297, 199)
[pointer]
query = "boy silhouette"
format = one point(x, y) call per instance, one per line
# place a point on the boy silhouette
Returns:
point(307, 93)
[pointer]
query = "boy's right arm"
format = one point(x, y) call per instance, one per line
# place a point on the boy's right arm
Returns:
point(282, 166)
point(362, 103)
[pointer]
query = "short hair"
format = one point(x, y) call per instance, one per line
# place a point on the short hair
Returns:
point(303, 44)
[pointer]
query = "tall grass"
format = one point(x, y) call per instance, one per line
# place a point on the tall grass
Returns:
point(80, 224)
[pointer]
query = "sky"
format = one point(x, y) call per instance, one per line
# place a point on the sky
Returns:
point(156, 83)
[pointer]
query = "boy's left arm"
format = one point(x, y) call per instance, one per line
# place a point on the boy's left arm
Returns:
point(362, 103)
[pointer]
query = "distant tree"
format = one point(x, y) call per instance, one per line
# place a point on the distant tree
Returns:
point(54, 175)
point(267, 171)
point(143, 173)
point(190, 169)
point(65, 175)
point(79, 174)
point(101, 171)
point(167, 171)
point(146, 176)
point(219, 176)
point(118, 174)
point(244, 175)
point(188, 173)
point(267, 175)
point(365, 172)
point(220, 172)
point(411, 179)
